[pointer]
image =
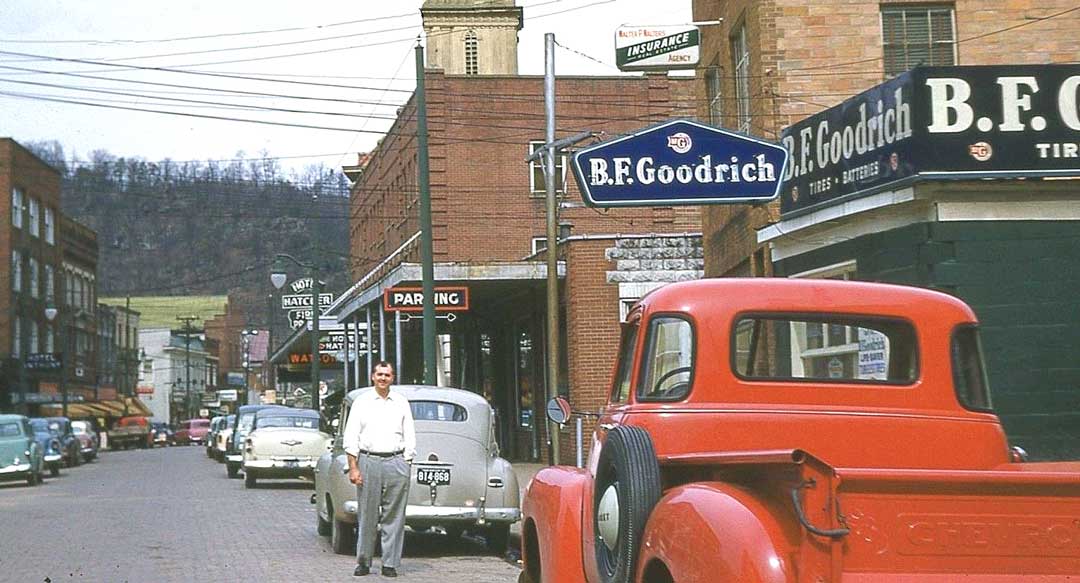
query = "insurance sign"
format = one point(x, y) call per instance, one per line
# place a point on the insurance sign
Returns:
point(679, 162)
point(651, 48)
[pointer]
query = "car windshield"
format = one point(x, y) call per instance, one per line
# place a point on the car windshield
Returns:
point(10, 429)
point(79, 428)
point(245, 422)
point(40, 425)
point(283, 421)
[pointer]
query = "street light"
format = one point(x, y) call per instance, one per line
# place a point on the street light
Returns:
point(278, 277)
point(245, 340)
point(51, 312)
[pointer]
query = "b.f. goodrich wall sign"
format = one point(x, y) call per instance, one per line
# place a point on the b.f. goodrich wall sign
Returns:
point(937, 122)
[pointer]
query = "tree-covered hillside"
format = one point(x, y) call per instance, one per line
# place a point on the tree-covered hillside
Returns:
point(204, 227)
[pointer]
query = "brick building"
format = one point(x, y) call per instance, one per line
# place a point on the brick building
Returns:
point(489, 231)
point(934, 206)
point(30, 263)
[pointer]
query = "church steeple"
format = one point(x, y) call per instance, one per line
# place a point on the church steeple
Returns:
point(472, 37)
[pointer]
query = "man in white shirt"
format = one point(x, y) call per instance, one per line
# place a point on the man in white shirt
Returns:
point(380, 443)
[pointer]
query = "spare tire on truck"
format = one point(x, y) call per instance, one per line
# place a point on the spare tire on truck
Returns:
point(627, 488)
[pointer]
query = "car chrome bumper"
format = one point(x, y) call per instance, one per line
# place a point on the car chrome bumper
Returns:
point(15, 469)
point(53, 458)
point(452, 513)
point(280, 465)
point(87, 450)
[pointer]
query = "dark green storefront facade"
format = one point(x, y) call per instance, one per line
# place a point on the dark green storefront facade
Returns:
point(1022, 278)
point(940, 178)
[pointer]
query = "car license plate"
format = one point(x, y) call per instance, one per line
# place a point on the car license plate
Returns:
point(433, 476)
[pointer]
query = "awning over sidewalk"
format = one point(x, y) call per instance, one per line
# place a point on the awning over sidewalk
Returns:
point(113, 408)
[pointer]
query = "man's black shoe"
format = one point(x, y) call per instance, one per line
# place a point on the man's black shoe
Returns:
point(389, 572)
point(361, 570)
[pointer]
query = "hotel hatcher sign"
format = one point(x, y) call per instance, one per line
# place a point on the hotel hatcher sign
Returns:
point(938, 122)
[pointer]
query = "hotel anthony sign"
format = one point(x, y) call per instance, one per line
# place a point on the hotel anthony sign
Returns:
point(938, 122)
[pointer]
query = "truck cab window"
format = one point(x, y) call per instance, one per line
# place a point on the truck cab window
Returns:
point(621, 392)
point(668, 362)
point(969, 375)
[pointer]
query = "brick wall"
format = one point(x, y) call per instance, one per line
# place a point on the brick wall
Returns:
point(480, 129)
point(19, 168)
point(809, 56)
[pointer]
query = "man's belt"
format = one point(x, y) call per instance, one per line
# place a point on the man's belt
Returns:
point(382, 453)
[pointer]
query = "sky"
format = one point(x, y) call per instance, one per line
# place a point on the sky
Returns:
point(352, 58)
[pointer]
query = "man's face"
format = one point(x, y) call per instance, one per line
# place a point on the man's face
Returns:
point(382, 376)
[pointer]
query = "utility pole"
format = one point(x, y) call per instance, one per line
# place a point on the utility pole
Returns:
point(426, 246)
point(187, 330)
point(552, 239)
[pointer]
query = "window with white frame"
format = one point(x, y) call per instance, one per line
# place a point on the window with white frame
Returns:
point(714, 93)
point(917, 35)
point(33, 337)
point(35, 278)
point(35, 217)
point(16, 271)
point(537, 185)
point(50, 226)
point(828, 346)
point(740, 55)
point(50, 339)
point(16, 208)
point(472, 54)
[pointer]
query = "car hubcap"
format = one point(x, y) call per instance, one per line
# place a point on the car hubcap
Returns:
point(607, 517)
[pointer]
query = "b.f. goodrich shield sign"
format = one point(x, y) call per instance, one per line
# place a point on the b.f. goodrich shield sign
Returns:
point(679, 162)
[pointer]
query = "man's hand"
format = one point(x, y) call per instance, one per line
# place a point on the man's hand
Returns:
point(355, 477)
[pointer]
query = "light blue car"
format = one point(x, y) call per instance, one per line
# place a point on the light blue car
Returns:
point(21, 457)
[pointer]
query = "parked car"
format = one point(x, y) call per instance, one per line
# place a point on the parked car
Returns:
point(130, 431)
point(70, 447)
point(161, 434)
point(283, 443)
point(88, 439)
point(234, 456)
point(192, 431)
point(215, 426)
point(459, 482)
point(221, 438)
point(21, 456)
point(49, 442)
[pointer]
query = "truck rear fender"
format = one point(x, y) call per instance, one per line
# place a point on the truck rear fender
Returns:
point(717, 532)
point(551, 526)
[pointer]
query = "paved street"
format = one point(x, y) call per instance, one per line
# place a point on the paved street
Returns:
point(172, 515)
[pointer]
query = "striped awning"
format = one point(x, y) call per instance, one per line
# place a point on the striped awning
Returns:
point(112, 408)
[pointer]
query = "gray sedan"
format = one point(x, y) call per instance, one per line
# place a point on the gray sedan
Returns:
point(459, 482)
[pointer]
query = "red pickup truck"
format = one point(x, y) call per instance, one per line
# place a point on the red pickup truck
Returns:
point(776, 430)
